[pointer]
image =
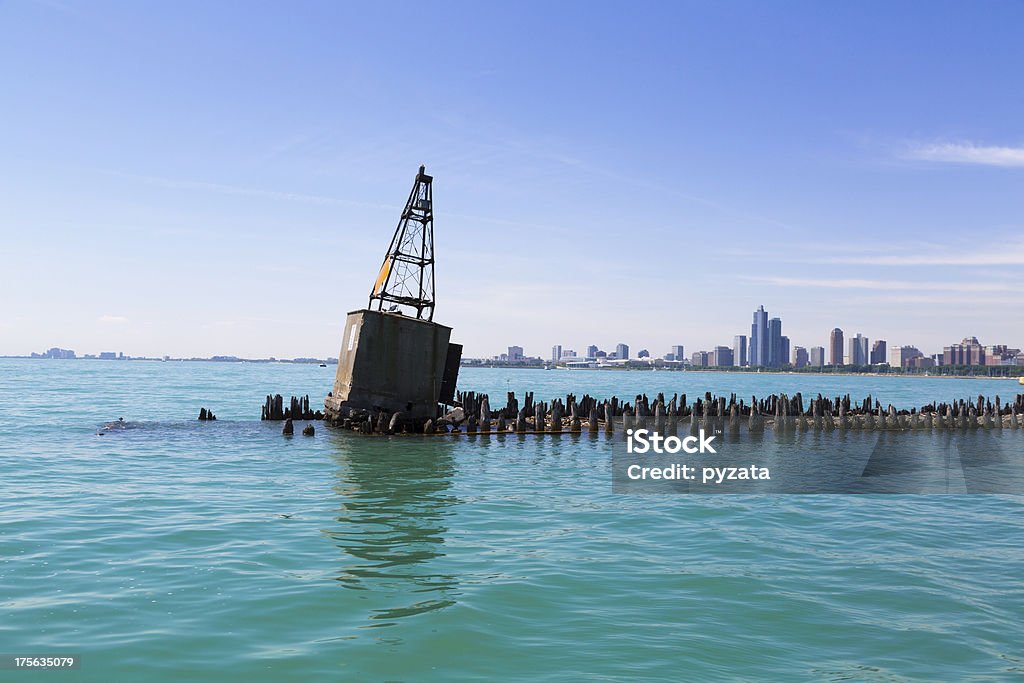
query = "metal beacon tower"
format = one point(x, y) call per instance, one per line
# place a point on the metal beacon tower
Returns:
point(406, 278)
point(396, 364)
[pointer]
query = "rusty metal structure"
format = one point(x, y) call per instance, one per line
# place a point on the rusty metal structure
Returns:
point(405, 282)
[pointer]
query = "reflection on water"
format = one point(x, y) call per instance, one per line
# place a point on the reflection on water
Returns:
point(391, 526)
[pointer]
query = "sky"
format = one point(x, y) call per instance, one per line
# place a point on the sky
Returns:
point(200, 179)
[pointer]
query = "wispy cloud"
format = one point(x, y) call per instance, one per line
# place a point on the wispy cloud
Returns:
point(888, 285)
point(999, 248)
point(1008, 258)
point(1006, 252)
point(972, 303)
point(112, 319)
point(967, 153)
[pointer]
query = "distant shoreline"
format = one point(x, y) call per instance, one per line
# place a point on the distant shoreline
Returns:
point(888, 375)
point(226, 359)
point(772, 373)
point(334, 361)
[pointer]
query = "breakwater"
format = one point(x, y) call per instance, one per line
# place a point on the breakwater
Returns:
point(473, 413)
point(298, 409)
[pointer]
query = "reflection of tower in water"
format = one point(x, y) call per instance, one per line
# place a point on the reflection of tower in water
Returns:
point(391, 527)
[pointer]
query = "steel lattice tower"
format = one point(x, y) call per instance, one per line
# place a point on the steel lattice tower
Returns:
point(406, 277)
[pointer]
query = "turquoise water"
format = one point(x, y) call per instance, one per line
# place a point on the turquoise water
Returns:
point(176, 550)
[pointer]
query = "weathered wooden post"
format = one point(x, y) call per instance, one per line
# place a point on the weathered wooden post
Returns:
point(485, 415)
point(755, 423)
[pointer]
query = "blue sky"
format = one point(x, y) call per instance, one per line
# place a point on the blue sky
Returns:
point(223, 178)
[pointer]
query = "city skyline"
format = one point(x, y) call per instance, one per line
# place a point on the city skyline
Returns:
point(769, 348)
point(831, 160)
point(855, 351)
point(969, 351)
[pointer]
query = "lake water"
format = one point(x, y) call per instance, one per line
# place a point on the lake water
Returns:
point(179, 550)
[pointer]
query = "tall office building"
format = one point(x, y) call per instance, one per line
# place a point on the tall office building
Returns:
point(1000, 354)
point(758, 349)
point(784, 354)
point(835, 346)
point(774, 359)
point(901, 356)
point(816, 356)
point(677, 352)
point(622, 351)
point(967, 352)
point(799, 357)
point(858, 350)
point(739, 350)
point(515, 353)
point(721, 356)
point(699, 359)
point(556, 352)
point(878, 352)
point(591, 352)
point(977, 352)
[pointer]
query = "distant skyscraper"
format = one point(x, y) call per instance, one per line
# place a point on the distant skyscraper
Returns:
point(515, 353)
point(721, 356)
point(835, 345)
point(784, 353)
point(739, 350)
point(878, 352)
point(700, 359)
point(967, 352)
point(622, 351)
point(800, 357)
point(977, 352)
point(774, 359)
point(556, 352)
point(758, 349)
point(678, 352)
point(901, 356)
point(816, 356)
point(591, 352)
point(858, 350)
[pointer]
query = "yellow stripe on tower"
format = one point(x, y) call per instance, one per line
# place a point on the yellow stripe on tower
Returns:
point(382, 277)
